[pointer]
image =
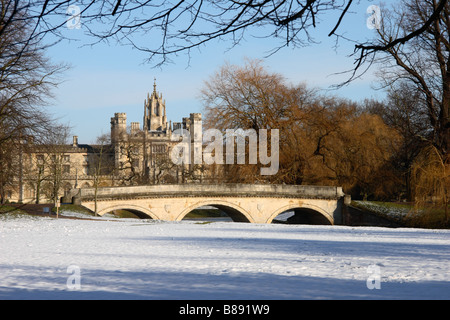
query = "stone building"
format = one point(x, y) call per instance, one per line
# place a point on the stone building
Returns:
point(130, 155)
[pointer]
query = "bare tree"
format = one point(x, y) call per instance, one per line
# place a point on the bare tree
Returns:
point(404, 110)
point(182, 26)
point(26, 80)
point(56, 146)
point(45, 164)
point(429, 16)
point(248, 97)
point(26, 77)
point(100, 163)
point(9, 167)
point(422, 62)
point(324, 140)
point(38, 171)
point(130, 157)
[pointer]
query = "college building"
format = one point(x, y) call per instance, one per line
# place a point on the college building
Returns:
point(131, 155)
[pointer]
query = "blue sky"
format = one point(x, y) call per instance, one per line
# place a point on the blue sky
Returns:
point(105, 79)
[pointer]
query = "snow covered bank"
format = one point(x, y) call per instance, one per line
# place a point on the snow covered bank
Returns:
point(137, 259)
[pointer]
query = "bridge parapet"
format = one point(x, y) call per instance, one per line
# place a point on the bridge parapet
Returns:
point(217, 190)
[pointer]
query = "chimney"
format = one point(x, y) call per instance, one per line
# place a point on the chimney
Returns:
point(75, 141)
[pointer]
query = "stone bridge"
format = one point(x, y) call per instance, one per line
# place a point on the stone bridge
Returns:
point(241, 202)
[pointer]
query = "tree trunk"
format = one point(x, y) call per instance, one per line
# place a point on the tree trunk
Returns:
point(444, 117)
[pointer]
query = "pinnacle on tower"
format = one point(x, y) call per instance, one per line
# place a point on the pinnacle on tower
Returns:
point(155, 111)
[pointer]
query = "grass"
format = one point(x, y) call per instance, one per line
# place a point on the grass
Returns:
point(429, 217)
point(385, 209)
point(204, 222)
point(7, 209)
point(73, 208)
point(10, 212)
point(406, 214)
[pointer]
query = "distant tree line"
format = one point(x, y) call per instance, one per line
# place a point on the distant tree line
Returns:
point(377, 150)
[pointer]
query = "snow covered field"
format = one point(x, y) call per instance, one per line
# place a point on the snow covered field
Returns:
point(47, 258)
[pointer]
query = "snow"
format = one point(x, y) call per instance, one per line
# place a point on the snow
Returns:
point(393, 211)
point(41, 258)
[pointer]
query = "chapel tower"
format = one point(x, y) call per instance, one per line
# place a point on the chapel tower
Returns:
point(155, 112)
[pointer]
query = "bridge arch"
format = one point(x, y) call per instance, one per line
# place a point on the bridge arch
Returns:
point(306, 214)
point(235, 212)
point(141, 212)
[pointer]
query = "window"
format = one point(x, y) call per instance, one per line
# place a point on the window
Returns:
point(158, 148)
point(40, 159)
point(86, 170)
point(29, 192)
point(66, 158)
point(66, 169)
